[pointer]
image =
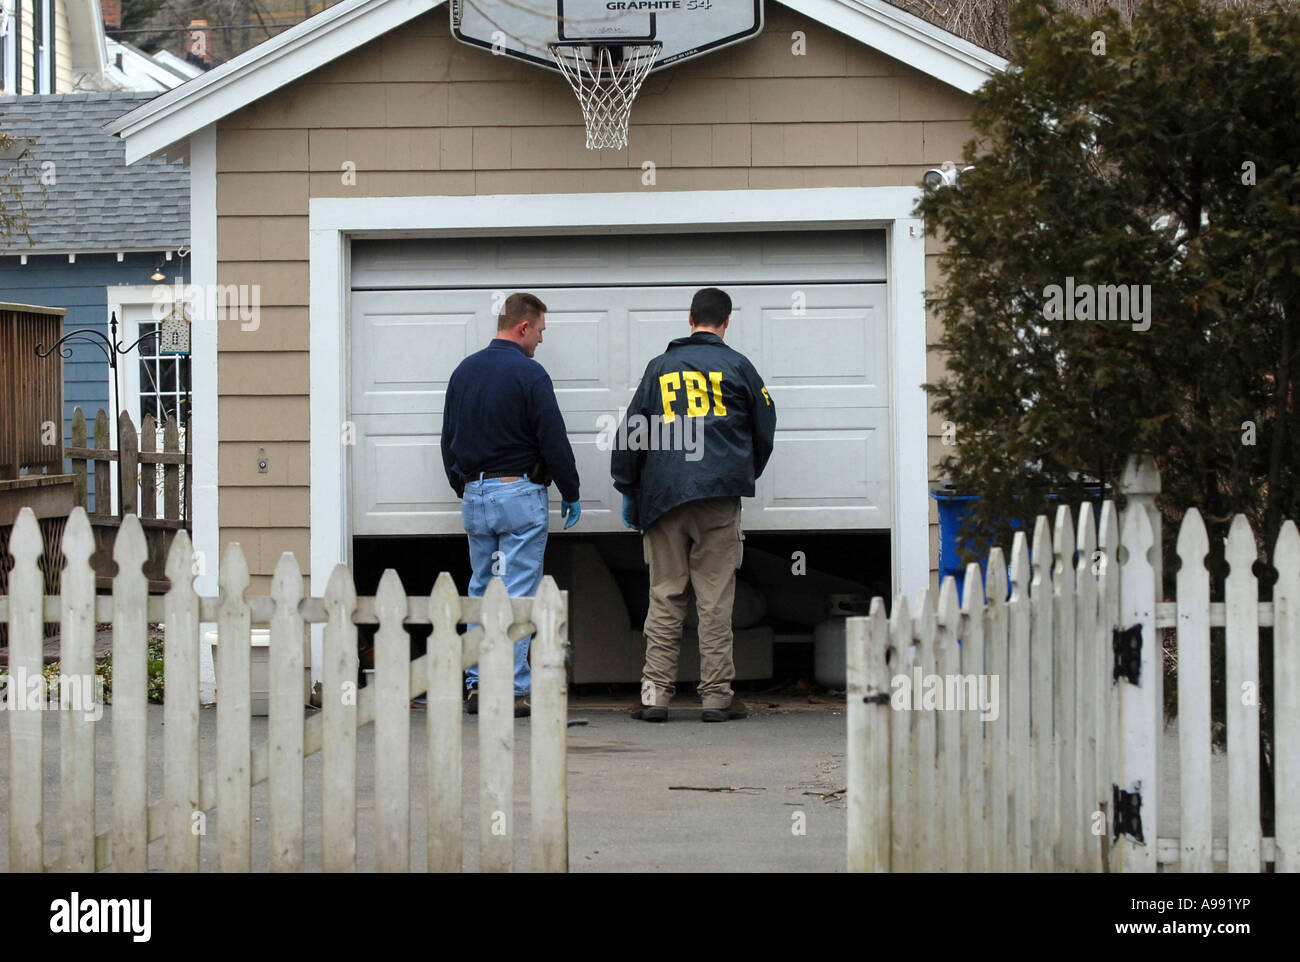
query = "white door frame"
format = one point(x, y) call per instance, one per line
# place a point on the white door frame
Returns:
point(127, 383)
point(334, 221)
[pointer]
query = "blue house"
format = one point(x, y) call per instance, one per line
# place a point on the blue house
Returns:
point(104, 239)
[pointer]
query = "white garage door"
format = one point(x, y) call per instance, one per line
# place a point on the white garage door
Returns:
point(809, 310)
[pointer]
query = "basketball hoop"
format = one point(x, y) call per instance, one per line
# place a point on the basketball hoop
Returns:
point(605, 83)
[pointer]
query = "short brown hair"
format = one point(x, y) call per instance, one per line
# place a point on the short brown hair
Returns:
point(519, 307)
point(710, 307)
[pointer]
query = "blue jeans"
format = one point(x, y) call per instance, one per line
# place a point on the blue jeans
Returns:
point(506, 524)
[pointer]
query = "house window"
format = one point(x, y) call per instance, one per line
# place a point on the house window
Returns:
point(44, 38)
point(164, 379)
point(10, 46)
point(164, 393)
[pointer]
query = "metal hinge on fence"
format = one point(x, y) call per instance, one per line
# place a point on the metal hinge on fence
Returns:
point(1127, 643)
point(1128, 813)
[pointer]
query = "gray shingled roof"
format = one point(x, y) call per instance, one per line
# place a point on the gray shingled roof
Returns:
point(97, 203)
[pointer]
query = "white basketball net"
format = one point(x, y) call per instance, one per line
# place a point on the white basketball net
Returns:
point(605, 87)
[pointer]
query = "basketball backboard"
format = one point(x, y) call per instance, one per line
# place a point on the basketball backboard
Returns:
point(525, 29)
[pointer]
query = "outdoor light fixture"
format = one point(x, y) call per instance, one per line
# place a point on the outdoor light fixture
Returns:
point(945, 176)
point(158, 274)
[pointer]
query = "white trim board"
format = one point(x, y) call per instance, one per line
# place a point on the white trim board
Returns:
point(173, 116)
point(203, 374)
point(335, 221)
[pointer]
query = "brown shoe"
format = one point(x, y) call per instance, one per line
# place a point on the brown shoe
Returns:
point(522, 707)
point(736, 709)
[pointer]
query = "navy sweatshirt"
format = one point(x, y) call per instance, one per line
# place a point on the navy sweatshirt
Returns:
point(501, 415)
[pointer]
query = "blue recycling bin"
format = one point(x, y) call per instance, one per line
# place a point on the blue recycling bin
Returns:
point(953, 509)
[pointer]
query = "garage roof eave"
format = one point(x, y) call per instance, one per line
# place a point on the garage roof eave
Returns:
point(172, 117)
point(907, 38)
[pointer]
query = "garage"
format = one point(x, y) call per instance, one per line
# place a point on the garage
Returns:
point(810, 311)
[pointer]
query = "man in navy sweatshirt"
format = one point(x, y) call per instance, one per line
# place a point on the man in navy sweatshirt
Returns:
point(503, 441)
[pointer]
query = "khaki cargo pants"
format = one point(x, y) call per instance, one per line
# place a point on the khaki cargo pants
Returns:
point(700, 543)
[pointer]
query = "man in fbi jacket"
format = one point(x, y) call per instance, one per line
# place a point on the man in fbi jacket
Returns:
point(697, 434)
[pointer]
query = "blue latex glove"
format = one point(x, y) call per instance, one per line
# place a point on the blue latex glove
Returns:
point(628, 507)
point(571, 510)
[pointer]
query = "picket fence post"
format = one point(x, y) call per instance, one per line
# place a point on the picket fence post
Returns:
point(1020, 760)
point(950, 795)
point(1041, 667)
point(443, 823)
point(392, 728)
point(285, 727)
point(77, 726)
point(234, 716)
point(1108, 687)
point(496, 733)
point(1194, 832)
point(130, 700)
point(339, 710)
point(1092, 824)
point(1286, 695)
point(1140, 703)
point(181, 710)
point(975, 755)
point(869, 715)
point(996, 657)
point(902, 750)
point(1241, 636)
point(548, 829)
point(926, 799)
point(26, 645)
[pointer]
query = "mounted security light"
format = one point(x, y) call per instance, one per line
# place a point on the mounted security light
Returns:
point(946, 175)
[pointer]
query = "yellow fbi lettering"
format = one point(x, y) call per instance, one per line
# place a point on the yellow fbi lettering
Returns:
point(697, 388)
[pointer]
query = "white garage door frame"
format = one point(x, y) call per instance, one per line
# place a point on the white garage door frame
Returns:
point(334, 221)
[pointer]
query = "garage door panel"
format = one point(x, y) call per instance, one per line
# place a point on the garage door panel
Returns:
point(840, 477)
point(724, 253)
point(403, 357)
point(400, 485)
point(652, 330)
point(522, 253)
point(576, 354)
point(829, 353)
point(701, 260)
point(413, 263)
point(649, 332)
point(811, 418)
point(598, 493)
point(862, 252)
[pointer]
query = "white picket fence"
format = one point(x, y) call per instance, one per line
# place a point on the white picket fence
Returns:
point(1036, 789)
point(292, 734)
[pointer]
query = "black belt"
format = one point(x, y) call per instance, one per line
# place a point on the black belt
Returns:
point(489, 475)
